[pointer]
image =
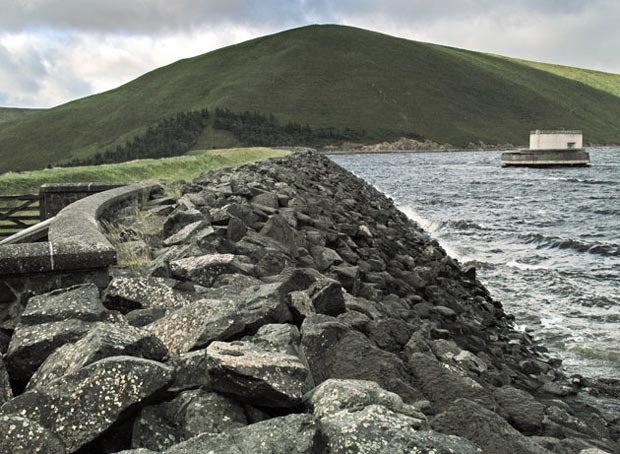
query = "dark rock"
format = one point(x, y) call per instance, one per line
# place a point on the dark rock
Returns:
point(191, 413)
point(79, 303)
point(267, 199)
point(278, 229)
point(485, 428)
point(191, 370)
point(6, 393)
point(389, 334)
point(323, 295)
point(282, 338)
point(561, 423)
point(378, 430)
point(298, 434)
point(126, 294)
point(524, 412)
point(206, 268)
point(271, 263)
point(160, 265)
point(262, 304)
point(325, 257)
point(103, 341)
point(179, 218)
point(334, 351)
point(80, 406)
point(326, 296)
point(31, 345)
point(236, 229)
point(348, 276)
point(19, 435)
point(335, 395)
point(442, 385)
point(5, 340)
point(279, 337)
point(197, 325)
point(142, 317)
point(259, 377)
point(369, 308)
point(186, 233)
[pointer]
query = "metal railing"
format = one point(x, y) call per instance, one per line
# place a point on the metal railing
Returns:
point(555, 131)
point(18, 212)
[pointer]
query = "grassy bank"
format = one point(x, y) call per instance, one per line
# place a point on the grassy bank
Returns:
point(168, 169)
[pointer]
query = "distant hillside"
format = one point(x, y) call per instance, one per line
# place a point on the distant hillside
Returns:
point(333, 76)
point(15, 113)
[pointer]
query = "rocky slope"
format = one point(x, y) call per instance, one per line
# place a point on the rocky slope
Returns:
point(288, 307)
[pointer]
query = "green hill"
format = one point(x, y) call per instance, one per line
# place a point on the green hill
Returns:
point(333, 76)
point(15, 113)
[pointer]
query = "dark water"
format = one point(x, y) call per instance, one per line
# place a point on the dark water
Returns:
point(546, 242)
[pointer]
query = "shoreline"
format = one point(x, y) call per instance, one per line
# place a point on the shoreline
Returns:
point(455, 150)
point(297, 301)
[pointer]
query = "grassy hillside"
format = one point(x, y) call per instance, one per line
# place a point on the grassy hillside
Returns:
point(15, 113)
point(166, 169)
point(332, 76)
point(607, 82)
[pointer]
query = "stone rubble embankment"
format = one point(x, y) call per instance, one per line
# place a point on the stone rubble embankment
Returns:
point(288, 307)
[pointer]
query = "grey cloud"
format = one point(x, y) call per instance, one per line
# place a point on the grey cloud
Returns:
point(144, 16)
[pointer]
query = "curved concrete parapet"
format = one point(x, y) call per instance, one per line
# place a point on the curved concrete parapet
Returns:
point(75, 240)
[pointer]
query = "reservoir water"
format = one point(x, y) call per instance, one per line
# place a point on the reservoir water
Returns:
point(546, 242)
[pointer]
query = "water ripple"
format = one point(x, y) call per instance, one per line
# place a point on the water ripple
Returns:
point(545, 241)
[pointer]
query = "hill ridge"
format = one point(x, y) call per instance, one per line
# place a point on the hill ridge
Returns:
point(332, 76)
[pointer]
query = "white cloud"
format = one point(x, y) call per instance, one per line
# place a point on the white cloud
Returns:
point(52, 51)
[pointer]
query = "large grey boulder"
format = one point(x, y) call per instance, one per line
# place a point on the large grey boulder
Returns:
point(104, 340)
point(376, 429)
point(259, 377)
point(205, 269)
point(191, 370)
point(309, 292)
point(197, 325)
point(336, 395)
point(19, 435)
point(523, 411)
point(31, 345)
point(442, 384)
point(325, 257)
point(207, 320)
point(335, 351)
point(78, 303)
point(80, 406)
point(191, 413)
point(262, 304)
point(278, 229)
point(486, 429)
point(292, 434)
point(187, 232)
point(126, 294)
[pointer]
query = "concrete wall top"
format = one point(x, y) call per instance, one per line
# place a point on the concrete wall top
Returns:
point(75, 239)
point(79, 187)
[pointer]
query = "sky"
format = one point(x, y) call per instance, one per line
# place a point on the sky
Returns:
point(54, 51)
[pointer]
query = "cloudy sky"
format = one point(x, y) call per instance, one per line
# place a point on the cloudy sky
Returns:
point(53, 51)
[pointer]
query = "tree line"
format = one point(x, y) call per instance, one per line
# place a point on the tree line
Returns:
point(172, 136)
point(177, 134)
point(256, 129)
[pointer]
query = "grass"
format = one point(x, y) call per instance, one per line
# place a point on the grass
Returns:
point(132, 250)
point(166, 170)
point(15, 113)
point(333, 76)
